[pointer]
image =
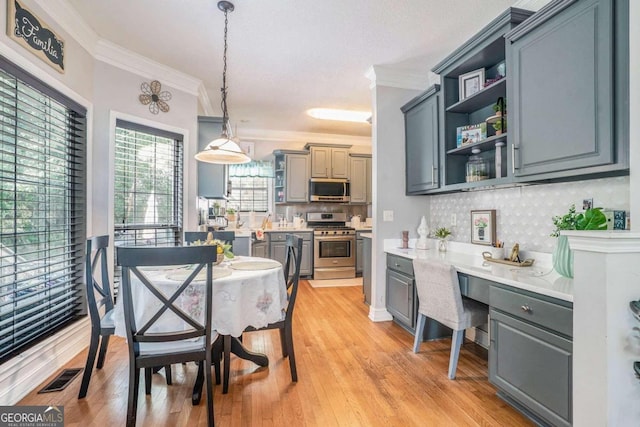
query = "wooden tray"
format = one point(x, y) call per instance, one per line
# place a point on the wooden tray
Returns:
point(526, 263)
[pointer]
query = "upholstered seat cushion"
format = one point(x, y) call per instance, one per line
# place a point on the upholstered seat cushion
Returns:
point(107, 320)
point(156, 348)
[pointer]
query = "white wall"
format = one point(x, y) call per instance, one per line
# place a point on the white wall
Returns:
point(116, 96)
point(388, 178)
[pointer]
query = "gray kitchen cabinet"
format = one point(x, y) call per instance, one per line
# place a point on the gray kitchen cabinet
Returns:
point(360, 177)
point(212, 178)
point(359, 256)
point(370, 181)
point(564, 74)
point(401, 298)
point(422, 130)
point(366, 269)
point(241, 245)
point(329, 161)
point(530, 355)
point(291, 176)
point(484, 52)
point(260, 249)
point(277, 249)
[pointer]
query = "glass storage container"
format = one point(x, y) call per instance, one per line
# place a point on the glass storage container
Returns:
point(477, 167)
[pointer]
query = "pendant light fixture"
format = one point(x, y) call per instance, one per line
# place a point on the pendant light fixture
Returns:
point(225, 149)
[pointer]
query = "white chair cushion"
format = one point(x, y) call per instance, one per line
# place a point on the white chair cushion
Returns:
point(107, 320)
point(150, 348)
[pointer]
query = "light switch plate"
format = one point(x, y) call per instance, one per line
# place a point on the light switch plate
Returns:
point(387, 216)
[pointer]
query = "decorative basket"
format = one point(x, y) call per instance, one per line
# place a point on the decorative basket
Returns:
point(219, 259)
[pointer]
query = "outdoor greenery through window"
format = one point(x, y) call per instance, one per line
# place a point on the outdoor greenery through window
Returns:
point(148, 186)
point(250, 184)
point(42, 209)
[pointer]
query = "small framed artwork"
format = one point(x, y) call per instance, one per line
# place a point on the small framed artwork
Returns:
point(483, 227)
point(470, 134)
point(471, 83)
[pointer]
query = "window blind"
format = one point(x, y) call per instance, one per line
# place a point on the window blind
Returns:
point(148, 186)
point(42, 210)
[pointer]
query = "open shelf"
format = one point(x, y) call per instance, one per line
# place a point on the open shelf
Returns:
point(482, 145)
point(487, 95)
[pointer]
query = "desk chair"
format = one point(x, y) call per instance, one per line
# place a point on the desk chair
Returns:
point(102, 325)
point(152, 344)
point(293, 257)
point(440, 299)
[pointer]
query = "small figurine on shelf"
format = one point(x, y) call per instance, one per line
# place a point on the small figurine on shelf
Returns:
point(423, 231)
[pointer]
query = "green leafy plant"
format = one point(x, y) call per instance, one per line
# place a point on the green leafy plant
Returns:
point(591, 219)
point(496, 106)
point(498, 125)
point(442, 233)
point(231, 210)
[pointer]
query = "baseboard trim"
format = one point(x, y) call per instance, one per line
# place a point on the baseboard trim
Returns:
point(26, 371)
point(379, 314)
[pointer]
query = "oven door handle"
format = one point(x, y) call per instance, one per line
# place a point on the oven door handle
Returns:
point(343, 237)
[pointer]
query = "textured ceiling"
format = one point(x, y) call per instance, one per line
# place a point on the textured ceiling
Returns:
point(286, 56)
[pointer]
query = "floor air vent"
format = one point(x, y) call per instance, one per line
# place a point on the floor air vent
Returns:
point(61, 381)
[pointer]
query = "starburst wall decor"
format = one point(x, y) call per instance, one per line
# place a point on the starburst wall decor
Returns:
point(153, 96)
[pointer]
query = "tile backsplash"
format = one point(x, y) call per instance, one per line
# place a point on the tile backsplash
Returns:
point(523, 214)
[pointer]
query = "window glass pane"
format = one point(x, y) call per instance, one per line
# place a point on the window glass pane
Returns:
point(148, 187)
point(249, 193)
point(42, 230)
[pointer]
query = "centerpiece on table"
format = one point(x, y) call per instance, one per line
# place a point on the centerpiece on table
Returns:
point(591, 219)
point(224, 248)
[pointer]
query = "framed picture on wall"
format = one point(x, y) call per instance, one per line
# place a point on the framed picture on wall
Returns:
point(483, 227)
point(470, 83)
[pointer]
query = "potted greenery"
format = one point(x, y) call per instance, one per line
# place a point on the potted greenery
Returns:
point(441, 234)
point(591, 219)
point(231, 214)
point(497, 126)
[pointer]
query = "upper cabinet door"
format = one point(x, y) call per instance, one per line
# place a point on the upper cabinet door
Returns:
point(320, 162)
point(212, 178)
point(421, 142)
point(561, 90)
point(339, 163)
point(359, 179)
point(297, 181)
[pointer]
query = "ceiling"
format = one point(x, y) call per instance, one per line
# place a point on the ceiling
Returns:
point(286, 56)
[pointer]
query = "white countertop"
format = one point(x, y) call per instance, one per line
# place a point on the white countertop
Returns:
point(539, 278)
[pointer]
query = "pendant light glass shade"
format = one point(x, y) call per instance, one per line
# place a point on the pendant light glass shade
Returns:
point(224, 151)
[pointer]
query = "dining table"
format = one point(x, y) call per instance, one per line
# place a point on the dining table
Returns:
point(247, 291)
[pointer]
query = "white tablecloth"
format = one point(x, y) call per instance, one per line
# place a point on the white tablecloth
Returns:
point(241, 299)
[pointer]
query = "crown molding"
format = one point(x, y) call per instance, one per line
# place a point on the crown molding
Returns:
point(127, 60)
point(205, 102)
point(383, 75)
point(70, 21)
point(258, 135)
point(530, 4)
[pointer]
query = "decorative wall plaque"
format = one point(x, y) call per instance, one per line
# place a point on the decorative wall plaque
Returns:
point(30, 32)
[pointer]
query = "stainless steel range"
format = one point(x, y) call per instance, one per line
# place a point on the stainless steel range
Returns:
point(334, 255)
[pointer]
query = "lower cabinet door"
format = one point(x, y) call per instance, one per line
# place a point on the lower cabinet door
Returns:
point(306, 264)
point(532, 366)
point(400, 289)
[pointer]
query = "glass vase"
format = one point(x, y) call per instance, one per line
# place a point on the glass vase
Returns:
point(563, 257)
point(442, 245)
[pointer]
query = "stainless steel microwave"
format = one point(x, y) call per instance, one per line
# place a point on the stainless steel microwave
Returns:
point(329, 190)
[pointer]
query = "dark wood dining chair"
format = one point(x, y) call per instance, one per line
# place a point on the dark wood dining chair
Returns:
point(152, 344)
point(293, 257)
point(100, 307)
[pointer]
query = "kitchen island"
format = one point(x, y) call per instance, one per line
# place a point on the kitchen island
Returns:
point(530, 317)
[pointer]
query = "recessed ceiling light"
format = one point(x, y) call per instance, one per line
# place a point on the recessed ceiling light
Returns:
point(340, 115)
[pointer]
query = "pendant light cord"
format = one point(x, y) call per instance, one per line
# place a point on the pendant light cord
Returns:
point(223, 103)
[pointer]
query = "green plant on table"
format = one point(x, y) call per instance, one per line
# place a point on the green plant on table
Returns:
point(231, 210)
point(442, 233)
point(223, 247)
point(591, 219)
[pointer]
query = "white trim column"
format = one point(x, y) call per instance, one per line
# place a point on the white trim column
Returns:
point(606, 338)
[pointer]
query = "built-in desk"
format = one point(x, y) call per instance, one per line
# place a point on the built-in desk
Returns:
point(531, 325)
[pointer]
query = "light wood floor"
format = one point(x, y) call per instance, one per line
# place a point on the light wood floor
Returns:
point(351, 372)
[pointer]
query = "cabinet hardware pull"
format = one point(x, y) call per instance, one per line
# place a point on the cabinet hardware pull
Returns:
point(397, 265)
point(526, 308)
point(433, 174)
point(513, 158)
